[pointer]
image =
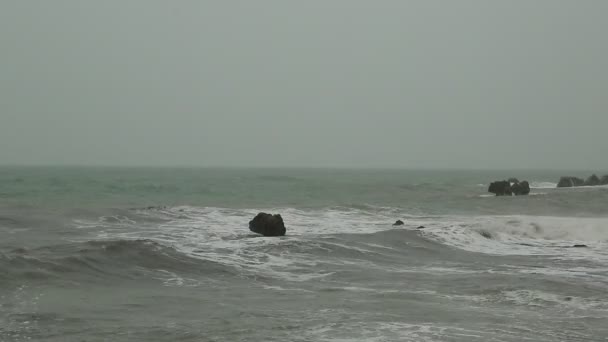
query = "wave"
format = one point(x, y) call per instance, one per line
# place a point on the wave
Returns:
point(179, 245)
point(101, 259)
point(187, 240)
point(9, 222)
point(553, 185)
point(535, 185)
point(208, 225)
point(525, 235)
point(221, 236)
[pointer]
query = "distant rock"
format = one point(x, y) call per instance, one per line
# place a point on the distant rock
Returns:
point(267, 225)
point(398, 223)
point(510, 187)
point(568, 181)
point(593, 180)
point(420, 227)
point(579, 246)
point(500, 188)
point(519, 189)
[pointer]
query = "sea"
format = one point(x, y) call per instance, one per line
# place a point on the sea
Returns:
point(165, 254)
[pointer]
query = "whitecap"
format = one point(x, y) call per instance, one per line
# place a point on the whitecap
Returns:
point(524, 235)
point(543, 185)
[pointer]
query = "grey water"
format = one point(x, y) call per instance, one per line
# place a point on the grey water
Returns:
point(162, 254)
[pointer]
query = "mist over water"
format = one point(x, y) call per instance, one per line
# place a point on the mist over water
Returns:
point(408, 84)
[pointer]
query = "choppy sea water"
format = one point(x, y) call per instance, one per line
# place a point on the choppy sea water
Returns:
point(94, 254)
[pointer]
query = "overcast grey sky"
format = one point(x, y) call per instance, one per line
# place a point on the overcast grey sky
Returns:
point(463, 84)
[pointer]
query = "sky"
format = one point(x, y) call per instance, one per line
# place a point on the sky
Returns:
point(317, 83)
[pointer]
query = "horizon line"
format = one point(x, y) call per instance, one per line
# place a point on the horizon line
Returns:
point(280, 167)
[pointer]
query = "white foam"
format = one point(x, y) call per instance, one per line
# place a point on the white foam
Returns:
point(593, 276)
point(530, 194)
point(17, 314)
point(171, 279)
point(525, 235)
point(583, 187)
point(543, 185)
point(368, 330)
point(221, 235)
point(279, 288)
point(560, 302)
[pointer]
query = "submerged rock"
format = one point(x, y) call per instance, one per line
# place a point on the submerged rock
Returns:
point(592, 180)
point(568, 181)
point(485, 234)
point(267, 225)
point(398, 223)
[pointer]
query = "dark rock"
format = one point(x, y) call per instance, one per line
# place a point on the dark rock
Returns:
point(485, 234)
point(522, 188)
point(579, 246)
point(420, 227)
point(500, 188)
point(593, 180)
point(568, 181)
point(398, 223)
point(604, 180)
point(267, 225)
point(509, 187)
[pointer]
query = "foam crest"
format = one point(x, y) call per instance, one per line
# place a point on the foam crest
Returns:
point(525, 235)
point(222, 235)
point(391, 331)
point(543, 185)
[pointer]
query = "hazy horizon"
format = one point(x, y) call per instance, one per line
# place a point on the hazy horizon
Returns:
point(469, 85)
point(578, 172)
